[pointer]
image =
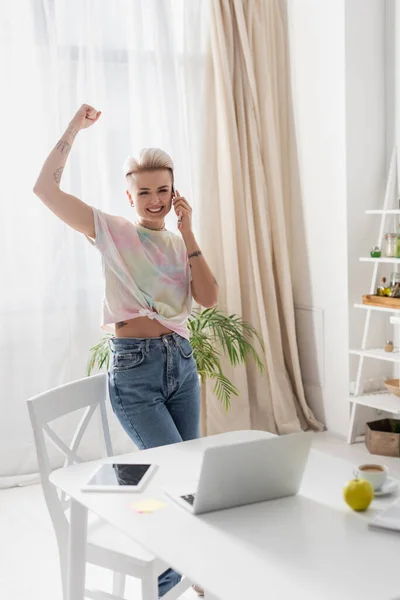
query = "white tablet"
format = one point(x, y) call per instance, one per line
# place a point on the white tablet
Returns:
point(131, 478)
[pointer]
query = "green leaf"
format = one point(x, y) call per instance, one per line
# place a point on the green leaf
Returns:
point(100, 357)
point(223, 388)
point(213, 334)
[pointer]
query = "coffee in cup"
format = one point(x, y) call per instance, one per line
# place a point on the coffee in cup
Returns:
point(375, 474)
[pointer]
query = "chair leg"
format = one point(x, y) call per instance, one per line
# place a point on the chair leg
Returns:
point(77, 551)
point(63, 570)
point(150, 586)
point(119, 582)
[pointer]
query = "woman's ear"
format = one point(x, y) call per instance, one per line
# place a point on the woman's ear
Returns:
point(130, 198)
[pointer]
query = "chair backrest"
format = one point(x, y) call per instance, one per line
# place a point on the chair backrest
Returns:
point(89, 393)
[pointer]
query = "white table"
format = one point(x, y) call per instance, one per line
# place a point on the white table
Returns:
point(309, 547)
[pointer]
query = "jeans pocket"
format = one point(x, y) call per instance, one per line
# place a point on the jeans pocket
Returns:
point(185, 349)
point(125, 360)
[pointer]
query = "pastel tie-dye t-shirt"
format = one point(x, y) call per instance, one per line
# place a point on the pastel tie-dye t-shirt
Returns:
point(146, 272)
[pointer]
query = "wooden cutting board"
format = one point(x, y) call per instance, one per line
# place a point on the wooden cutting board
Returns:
point(382, 301)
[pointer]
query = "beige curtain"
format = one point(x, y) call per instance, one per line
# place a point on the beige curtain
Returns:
point(246, 193)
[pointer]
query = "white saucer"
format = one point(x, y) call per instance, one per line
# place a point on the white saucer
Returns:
point(388, 488)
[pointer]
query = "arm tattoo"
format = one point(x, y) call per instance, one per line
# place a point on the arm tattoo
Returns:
point(58, 174)
point(215, 281)
point(194, 254)
point(120, 324)
point(64, 147)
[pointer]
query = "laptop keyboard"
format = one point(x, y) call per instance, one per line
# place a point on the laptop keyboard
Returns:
point(189, 498)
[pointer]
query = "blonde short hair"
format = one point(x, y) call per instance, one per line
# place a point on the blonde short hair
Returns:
point(150, 159)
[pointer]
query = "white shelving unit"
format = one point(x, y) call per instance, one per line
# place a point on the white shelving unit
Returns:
point(378, 354)
point(391, 261)
point(390, 211)
point(381, 401)
point(385, 402)
point(379, 309)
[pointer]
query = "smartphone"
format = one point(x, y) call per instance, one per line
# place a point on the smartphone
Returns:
point(174, 196)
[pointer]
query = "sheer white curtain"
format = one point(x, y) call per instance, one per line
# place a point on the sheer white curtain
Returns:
point(141, 63)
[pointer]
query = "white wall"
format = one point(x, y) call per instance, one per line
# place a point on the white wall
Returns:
point(396, 70)
point(337, 65)
point(366, 168)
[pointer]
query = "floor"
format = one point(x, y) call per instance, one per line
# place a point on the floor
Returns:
point(28, 553)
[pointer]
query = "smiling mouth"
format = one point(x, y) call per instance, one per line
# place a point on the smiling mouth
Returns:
point(155, 211)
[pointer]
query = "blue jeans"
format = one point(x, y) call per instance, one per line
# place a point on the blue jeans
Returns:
point(155, 394)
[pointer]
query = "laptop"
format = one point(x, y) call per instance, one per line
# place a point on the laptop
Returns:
point(246, 472)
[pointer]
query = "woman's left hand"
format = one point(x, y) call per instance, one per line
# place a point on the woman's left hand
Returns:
point(183, 211)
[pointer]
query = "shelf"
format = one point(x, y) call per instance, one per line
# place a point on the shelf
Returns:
point(392, 211)
point(378, 308)
point(378, 354)
point(384, 259)
point(380, 401)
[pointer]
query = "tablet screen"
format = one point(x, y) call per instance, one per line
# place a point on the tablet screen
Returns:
point(112, 475)
point(130, 474)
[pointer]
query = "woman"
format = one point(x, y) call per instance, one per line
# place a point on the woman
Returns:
point(151, 276)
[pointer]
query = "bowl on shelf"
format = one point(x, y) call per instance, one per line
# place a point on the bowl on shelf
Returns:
point(393, 385)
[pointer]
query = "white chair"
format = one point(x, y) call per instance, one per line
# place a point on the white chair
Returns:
point(106, 547)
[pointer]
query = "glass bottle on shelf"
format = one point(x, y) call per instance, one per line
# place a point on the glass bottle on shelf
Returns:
point(394, 278)
point(391, 242)
point(376, 252)
point(379, 291)
point(384, 289)
point(398, 242)
point(395, 284)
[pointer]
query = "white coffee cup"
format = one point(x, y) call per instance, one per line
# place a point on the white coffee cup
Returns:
point(375, 474)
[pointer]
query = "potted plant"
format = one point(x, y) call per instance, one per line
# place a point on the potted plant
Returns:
point(213, 334)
